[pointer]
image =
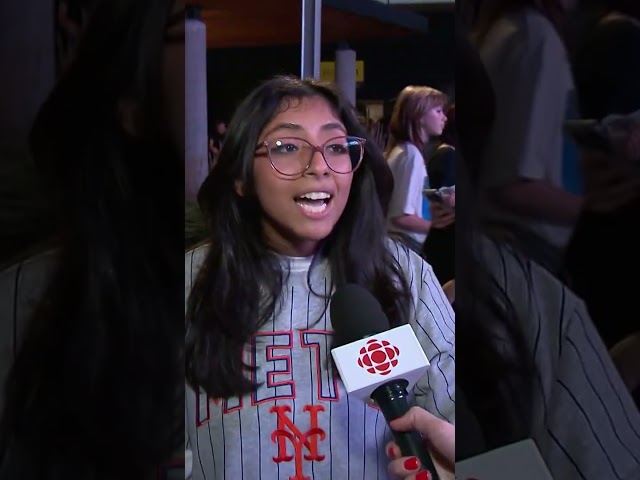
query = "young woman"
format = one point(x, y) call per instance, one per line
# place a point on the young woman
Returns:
point(91, 330)
point(294, 204)
point(417, 115)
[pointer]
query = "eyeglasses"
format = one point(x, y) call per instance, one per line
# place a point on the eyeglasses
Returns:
point(292, 156)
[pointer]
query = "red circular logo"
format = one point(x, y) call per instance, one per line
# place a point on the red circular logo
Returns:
point(378, 356)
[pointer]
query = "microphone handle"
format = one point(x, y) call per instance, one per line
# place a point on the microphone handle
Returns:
point(392, 400)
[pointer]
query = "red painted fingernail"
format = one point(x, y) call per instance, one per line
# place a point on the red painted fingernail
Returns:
point(411, 463)
point(391, 453)
point(424, 475)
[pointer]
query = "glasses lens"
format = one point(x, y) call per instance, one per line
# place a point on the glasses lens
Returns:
point(343, 154)
point(289, 156)
point(292, 156)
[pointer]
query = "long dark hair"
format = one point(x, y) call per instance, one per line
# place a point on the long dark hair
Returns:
point(482, 306)
point(225, 306)
point(94, 392)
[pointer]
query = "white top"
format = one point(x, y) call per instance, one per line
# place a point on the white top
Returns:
point(409, 176)
point(530, 73)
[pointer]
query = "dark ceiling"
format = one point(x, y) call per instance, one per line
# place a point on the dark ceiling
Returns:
point(250, 23)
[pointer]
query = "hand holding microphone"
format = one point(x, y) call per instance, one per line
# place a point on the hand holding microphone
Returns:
point(380, 366)
point(439, 437)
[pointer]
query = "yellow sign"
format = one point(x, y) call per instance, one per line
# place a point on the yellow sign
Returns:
point(328, 71)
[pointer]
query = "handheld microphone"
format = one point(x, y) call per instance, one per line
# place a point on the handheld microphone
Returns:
point(521, 460)
point(376, 364)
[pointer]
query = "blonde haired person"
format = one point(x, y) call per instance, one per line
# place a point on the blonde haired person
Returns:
point(417, 115)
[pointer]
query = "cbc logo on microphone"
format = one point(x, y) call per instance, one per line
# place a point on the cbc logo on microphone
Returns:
point(378, 357)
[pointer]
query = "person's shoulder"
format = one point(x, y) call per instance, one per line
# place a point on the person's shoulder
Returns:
point(443, 152)
point(618, 21)
point(193, 260)
point(445, 147)
point(526, 32)
point(404, 150)
point(22, 285)
point(524, 280)
point(405, 157)
point(617, 31)
point(412, 151)
point(535, 22)
point(36, 265)
point(411, 264)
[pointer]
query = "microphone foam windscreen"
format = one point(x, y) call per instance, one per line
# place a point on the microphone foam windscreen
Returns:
point(356, 314)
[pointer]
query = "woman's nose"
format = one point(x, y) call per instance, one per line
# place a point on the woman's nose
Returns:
point(318, 165)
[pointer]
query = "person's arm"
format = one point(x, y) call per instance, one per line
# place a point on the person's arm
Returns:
point(412, 223)
point(441, 216)
point(434, 326)
point(408, 175)
point(531, 82)
point(540, 200)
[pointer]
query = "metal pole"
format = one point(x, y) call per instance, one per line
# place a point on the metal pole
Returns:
point(346, 73)
point(311, 38)
point(195, 128)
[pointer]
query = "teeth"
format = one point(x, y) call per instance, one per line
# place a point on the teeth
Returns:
point(316, 195)
point(313, 208)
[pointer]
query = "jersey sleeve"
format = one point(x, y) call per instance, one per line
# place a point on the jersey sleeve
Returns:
point(434, 325)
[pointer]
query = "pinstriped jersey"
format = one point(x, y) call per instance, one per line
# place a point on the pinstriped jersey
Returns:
point(300, 424)
point(22, 286)
point(583, 418)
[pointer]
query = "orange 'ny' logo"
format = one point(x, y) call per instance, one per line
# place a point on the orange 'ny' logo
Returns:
point(301, 441)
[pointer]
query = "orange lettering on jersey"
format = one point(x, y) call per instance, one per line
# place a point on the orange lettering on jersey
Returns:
point(287, 430)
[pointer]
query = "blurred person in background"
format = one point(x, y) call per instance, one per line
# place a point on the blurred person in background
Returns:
point(530, 361)
point(523, 52)
point(91, 329)
point(439, 247)
point(603, 254)
point(217, 136)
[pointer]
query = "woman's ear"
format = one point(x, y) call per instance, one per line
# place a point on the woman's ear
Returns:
point(239, 187)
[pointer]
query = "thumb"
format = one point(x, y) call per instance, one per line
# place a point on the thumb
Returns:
point(415, 419)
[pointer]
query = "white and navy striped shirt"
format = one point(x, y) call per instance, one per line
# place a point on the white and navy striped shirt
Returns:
point(583, 418)
point(301, 423)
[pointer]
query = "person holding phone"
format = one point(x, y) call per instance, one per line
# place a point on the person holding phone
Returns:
point(417, 116)
point(439, 247)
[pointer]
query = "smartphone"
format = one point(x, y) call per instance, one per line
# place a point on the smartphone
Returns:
point(589, 134)
point(433, 195)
